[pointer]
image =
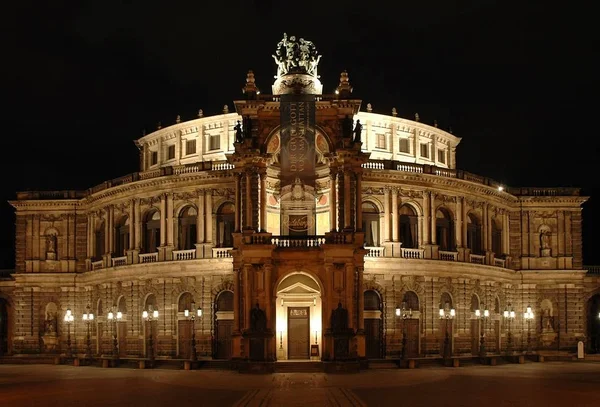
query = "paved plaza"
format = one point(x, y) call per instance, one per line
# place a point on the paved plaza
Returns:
point(533, 384)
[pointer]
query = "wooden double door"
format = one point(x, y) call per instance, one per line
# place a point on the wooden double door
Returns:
point(298, 333)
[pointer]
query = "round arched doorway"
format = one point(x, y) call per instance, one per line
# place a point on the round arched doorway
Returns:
point(299, 321)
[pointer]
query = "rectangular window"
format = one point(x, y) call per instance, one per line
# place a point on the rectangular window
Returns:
point(381, 141)
point(404, 145)
point(424, 150)
point(153, 157)
point(215, 142)
point(171, 152)
point(190, 147)
point(442, 156)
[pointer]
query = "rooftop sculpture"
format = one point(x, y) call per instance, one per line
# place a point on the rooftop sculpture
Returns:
point(296, 56)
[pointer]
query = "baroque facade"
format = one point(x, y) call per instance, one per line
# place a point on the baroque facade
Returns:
point(302, 227)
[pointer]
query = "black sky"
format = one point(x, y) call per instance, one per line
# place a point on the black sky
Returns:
point(516, 80)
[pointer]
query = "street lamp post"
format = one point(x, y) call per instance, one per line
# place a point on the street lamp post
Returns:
point(528, 315)
point(447, 314)
point(114, 318)
point(88, 318)
point(192, 316)
point(404, 314)
point(149, 316)
point(68, 321)
point(509, 316)
point(482, 316)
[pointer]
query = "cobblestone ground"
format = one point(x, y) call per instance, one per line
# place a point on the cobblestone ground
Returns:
point(532, 384)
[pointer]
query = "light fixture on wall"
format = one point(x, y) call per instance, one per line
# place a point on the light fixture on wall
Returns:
point(447, 313)
point(196, 312)
point(68, 321)
point(150, 316)
point(509, 316)
point(88, 318)
point(114, 318)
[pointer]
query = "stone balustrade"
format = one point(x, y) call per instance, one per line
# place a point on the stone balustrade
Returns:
point(148, 257)
point(97, 265)
point(375, 251)
point(189, 254)
point(413, 253)
point(298, 241)
point(477, 258)
point(221, 252)
point(448, 256)
point(499, 262)
point(119, 261)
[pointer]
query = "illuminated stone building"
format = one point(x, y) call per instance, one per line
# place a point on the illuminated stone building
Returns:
point(302, 227)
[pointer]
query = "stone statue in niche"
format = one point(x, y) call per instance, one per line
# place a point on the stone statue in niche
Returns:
point(238, 132)
point(545, 245)
point(357, 131)
point(258, 319)
point(50, 336)
point(51, 243)
point(339, 319)
point(547, 321)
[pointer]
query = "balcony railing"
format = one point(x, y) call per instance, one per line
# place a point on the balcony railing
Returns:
point(448, 256)
point(221, 252)
point(298, 241)
point(148, 257)
point(477, 258)
point(119, 261)
point(413, 253)
point(189, 254)
point(499, 262)
point(375, 251)
point(97, 265)
point(592, 269)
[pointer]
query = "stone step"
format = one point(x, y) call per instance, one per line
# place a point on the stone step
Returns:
point(298, 367)
point(382, 364)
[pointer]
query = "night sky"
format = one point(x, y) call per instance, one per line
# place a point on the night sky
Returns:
point(515, 80)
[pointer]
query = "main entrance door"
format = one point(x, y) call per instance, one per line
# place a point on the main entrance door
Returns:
point(298, 333)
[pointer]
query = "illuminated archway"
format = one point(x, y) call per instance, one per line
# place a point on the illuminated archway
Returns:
point(299, 317)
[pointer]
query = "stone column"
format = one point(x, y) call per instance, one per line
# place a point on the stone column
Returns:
point(263, 200)
point(238, 203)
point(138, 225)
point(426, 221)
point(361, 299)
point(89, 236)
point(358, 201)
point(106, 231)
point(200, 217)
point(347, 200)
point(170, 219)
point(396, 216)
point(386, 214)
point(236, 300)
point(464, 223)
point(208, 214)
point(268, 269)
point(93, 237)
point(505, 233)
point(333, 201)
point(131, 224)
point(350, 289)
point(248, 201)
point(561, 233)
point(247, 295)
point(433, 216)
point(459, 221)
point(486, 227)
point(163, 220)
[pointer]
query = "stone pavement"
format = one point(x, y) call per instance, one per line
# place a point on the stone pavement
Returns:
point(532, 384)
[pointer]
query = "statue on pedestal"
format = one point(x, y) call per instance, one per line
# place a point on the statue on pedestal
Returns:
point(258, 320)
point(339, 319)
point(238, 132)
point(357, 131)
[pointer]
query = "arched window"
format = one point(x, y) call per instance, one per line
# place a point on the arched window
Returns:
point(225, 301)
point(187, 228)
point(474, 303)
point(372, 300)
point(122, 305)
point(370, 224)
point(446, 301)
point(411, 300)
point(99, 236)
point(444, 230)
point(122, 236)
point(496, 238)
point(185, 302)
point(150, 301)
point(151, 231)
point(474, 234)
point(225, 225)
point(409, 227)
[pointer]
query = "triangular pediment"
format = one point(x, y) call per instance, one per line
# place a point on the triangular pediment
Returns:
point(299, 288)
